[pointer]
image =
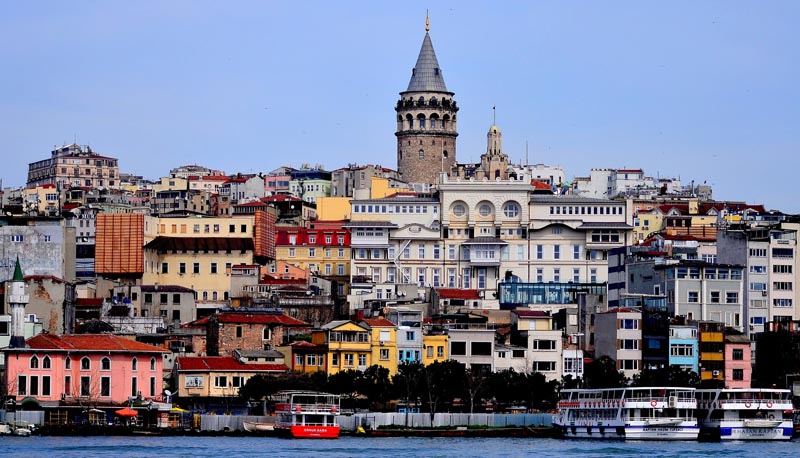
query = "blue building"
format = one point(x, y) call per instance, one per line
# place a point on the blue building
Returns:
point(683, 347)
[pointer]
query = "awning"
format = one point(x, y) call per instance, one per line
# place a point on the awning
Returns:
point(126, 412)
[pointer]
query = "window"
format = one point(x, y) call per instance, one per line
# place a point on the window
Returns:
point(782, 268)
point(105, 387)
point(459, 210)
point(440, 351)
point(384, 354)
point(221, 381)
point(237, 381)
point(182, 268)
point(485, 210)
point(511, 210)
point(481, 349)
point(782, 302)
point(556, 252)
point(421, 250)
point(105, 364)
point(86, 385)
point(694, 297)
point(628, 344)
point(738, 354)
point(556, 275)
point(298, 360)
point(86, 364)
point(213, 267)
point(458, 348)
point(738, 374)
point(681, 350)
point(152, 386)
point(348, 359)
point(715, 297)
point(539, 344)
point(45, 385)
point(152, 364)
point(628, 323)
point(629, 364)
point(335, 360)
point(539, 252)
point(164, 267)
point(576, 275)
point(758, 286)
point(22, 385)
point(576, 251)
point(239, 331)
point(135, 364)
point(46, 362)
point(782, 285)
point(731, 297)
point(362, 360)
point(782, 252)
point(34, 362)
point(544, 366)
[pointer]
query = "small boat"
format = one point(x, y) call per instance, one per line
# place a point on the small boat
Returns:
point(257, 427)
point(745, 414)
point(308, 414)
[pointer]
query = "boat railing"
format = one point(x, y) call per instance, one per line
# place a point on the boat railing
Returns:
point(308, 408)
point(665, 398)
point(675, 417)
point(761, 403)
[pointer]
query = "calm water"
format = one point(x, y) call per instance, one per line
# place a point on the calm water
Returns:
point(123, 447)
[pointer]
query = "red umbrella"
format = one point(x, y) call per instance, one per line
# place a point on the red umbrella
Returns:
point(126, 412)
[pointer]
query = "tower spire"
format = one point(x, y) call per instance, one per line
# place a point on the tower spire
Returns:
point(427, 21)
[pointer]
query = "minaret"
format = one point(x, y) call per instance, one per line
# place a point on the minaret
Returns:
point(17, 299)
point(426, 121)
point(494, 163)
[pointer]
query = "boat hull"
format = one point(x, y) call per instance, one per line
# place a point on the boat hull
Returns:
point(736, 431)
point(309, 432)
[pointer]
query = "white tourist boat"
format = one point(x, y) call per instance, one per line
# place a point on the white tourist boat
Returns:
point(745, 414)
point(632, 413)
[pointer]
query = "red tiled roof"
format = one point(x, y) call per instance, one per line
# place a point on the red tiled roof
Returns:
point(252, 204)
point(89, 302)
point(456, 293)
point(540, 185)
point(38, 278)
point(260, 318)
point(90, 342)
point(378, 323)
point(280, 198)
point(223, 363)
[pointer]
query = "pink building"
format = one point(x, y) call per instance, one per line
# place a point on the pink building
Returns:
point(738, 368)
point(102, 369)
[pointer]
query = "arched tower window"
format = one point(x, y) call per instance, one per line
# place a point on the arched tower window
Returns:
point(444, 154)
point(421, 120)
point(410, 120)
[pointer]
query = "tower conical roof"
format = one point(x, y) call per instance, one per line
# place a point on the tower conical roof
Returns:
point(18, 272)
point(427, 76)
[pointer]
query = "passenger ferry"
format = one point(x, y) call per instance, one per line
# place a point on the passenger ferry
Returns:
point(307, 414)
point(632, 413)
point(745, 414)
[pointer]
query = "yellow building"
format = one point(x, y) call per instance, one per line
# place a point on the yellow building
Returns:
point(216, 376)
point(348, 343)
point(43, 199)
point(197, 252)
point(434, 348)
point(333, 208)
point(384, 343)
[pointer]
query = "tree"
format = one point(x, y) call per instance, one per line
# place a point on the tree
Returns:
point(440, 383)
point(375, 385)
point(474, 381)
point(261, 387)
point(344, 383)
point(683, 377)
point(603, 373)
point(407, 382)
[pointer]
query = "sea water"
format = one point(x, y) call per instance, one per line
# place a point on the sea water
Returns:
point(393, 447)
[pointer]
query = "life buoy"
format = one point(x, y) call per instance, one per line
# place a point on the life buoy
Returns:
point(747, 404)
point(653, 403)
point(771, 417)
point(769, 404)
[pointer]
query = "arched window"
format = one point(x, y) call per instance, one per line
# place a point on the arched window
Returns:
point(511, 210)
point(135, 364)
point(410, 120)
point(485, 210)
point(459, 210)
point(267, 334)
point(213, 295)
point(444, 153)
point(34, 362)
point(205, 295)
point(152, 364)
point(86, 363)
point(421, 120)
point(105, 364)
point(421, 154)
point(68, 363)
point(46, 362)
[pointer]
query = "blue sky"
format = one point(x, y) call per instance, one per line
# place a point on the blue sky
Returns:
point(704, 91)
